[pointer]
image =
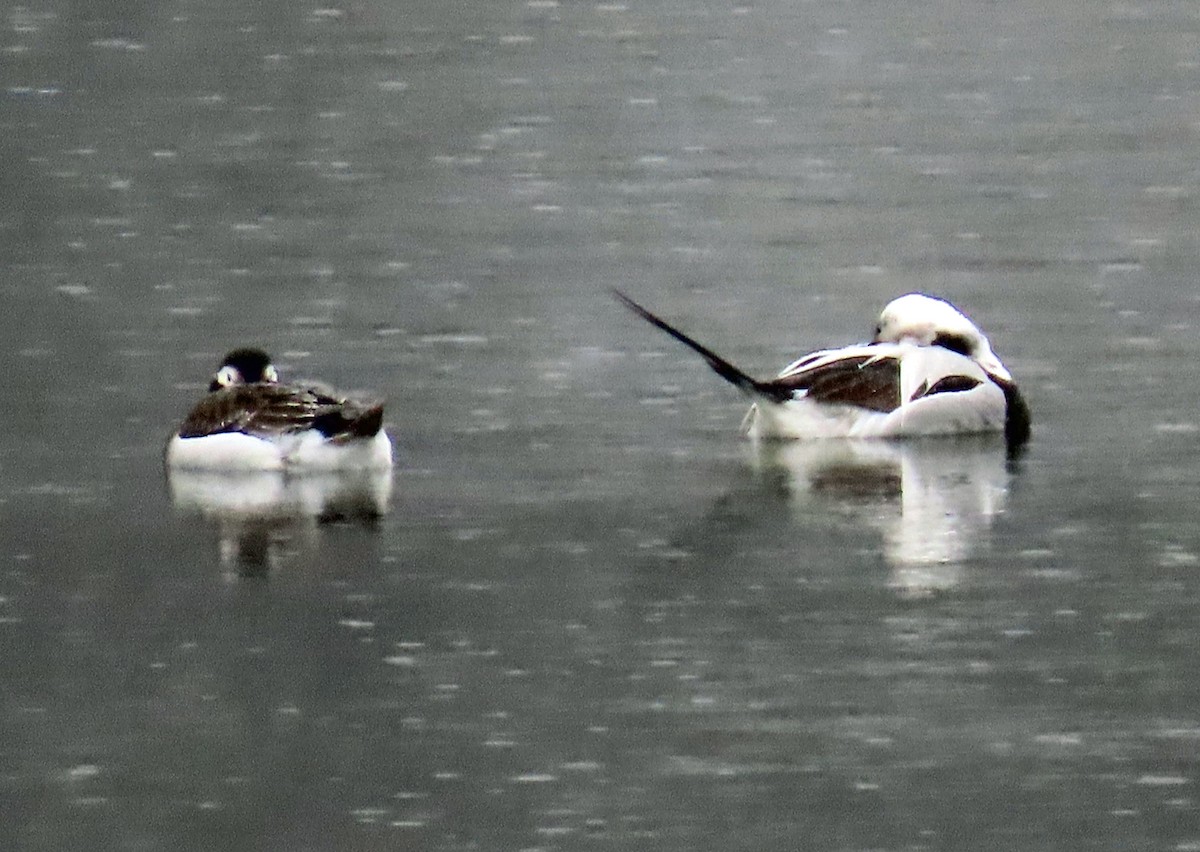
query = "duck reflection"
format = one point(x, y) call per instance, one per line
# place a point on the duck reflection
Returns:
point(933, 502)
point(259, 515)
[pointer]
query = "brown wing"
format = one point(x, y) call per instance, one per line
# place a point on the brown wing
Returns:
point(269, 409)
point(866, 381)
point(350, 420)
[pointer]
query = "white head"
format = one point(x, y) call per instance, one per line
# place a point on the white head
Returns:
point(933, 322)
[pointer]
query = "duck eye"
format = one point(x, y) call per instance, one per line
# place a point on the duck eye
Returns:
point(227, 376)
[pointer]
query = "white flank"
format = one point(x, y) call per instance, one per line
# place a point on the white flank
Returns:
point(303, 451)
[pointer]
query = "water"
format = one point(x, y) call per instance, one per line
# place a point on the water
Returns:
point(589, 615)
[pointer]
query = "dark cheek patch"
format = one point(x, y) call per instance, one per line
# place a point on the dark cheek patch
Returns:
point(954, 342)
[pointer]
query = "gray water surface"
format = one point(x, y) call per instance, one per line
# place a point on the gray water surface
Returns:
point(584, 613)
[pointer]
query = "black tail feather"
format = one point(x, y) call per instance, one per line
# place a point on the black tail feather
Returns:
point(724, 369)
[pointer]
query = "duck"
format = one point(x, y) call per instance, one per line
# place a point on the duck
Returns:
point(927, 370)
point(249, 421)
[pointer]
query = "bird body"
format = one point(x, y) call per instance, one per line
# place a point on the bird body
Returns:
point(249, 421)
point(928, 371)
point(880, 390)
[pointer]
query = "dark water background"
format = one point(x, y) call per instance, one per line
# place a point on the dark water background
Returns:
point(591, 617)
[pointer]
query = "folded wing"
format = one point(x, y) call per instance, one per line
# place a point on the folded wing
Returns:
point(265, 410)
point(864, 380)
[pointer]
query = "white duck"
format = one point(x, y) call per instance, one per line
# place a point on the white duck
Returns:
point(928, 371)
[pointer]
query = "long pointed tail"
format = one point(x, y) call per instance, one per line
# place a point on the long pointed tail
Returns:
point(727, 371)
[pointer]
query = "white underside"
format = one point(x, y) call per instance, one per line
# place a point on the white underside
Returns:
point(266, 494)
point(303, 451)
point(979, 410)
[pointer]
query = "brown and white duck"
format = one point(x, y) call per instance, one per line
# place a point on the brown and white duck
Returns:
point(927, 371)
point(249, 421)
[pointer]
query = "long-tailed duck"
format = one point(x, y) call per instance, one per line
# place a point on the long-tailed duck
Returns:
point(927, 371)
point(249, 421)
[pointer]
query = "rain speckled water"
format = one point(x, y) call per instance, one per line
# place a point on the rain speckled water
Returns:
point(584, 613)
